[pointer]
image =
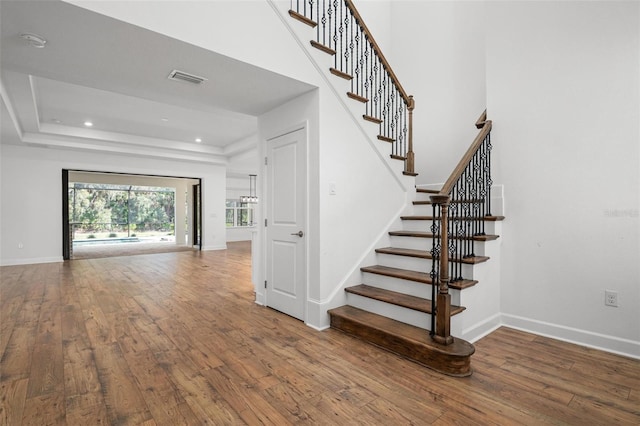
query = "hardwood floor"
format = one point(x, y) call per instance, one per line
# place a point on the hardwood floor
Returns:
point(176, 339)
point(96, 251)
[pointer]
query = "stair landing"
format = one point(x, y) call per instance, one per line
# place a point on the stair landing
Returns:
point(405, 340)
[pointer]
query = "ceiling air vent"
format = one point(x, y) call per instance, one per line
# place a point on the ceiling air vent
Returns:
point(183, 76)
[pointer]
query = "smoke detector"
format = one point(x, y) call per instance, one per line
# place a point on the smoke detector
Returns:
point(185, 76)
point(34, 40)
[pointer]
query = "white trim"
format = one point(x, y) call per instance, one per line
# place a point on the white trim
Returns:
point(616, 345)
point(11, 110)
point(32, 261)
point(211, 248)
point(323, 328)
point(482, 329)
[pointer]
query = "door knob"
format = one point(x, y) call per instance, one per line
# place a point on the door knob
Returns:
point(299, 234)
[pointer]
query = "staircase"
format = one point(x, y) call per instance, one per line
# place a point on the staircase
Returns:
point(389, 308)
point(435, 249)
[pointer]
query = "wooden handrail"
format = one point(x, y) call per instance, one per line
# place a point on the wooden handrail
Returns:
point(378, 51)
point(457, 172)
point(481, 120)
point(359, 59)
point(472, 170)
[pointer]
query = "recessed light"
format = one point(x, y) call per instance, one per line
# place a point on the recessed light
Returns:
point(198, 140)
point(88, 124)
point(34, 40)
point(164, 119)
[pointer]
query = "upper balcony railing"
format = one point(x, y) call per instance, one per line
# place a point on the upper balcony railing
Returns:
point(341, 32)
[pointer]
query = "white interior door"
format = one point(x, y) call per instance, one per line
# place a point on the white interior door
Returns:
point(286, 267)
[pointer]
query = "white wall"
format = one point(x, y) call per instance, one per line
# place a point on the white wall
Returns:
point(31, 197)
point(342, 228)
point(563, 91)
point(438, 53)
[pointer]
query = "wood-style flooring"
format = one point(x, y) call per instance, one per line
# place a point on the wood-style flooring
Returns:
point(96, 251)
point(176, 339)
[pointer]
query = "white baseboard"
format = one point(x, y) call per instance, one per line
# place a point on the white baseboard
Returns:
point(33, 261)
point(211, 248)
point(486, 327)
point(616, 345)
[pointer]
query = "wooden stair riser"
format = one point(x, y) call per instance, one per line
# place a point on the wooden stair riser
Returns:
point(406, 286)
point(411, 288)
point(411, 243)
point(398, 313)
point(405, 340)
point(490, 227)
point(415, 264)
point(480, 248)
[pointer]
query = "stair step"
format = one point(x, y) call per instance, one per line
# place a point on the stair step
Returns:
point(405, 340)
point(385, 138)
point(340, 74)
point(426, 254)
point(410, 173)
point(398, 157)
point(399, 299)
point(372, 119)
point(322, 47)
point(485, 218)
point(419, 277)
point(357, 97)
point(421, 234)
point(428, 191)
point(302, 18)
point(470, 201)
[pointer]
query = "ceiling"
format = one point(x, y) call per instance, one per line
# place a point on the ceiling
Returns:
point(95, 68)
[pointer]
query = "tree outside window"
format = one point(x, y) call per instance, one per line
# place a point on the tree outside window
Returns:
point(239, 214)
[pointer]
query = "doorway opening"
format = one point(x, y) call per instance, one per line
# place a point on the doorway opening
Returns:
point(115, 214)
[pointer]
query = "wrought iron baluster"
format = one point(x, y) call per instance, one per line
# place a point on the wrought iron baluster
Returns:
point(488, 170)
point(435, 263)
point(366, 76)
point(351, 50)
point(310, 10)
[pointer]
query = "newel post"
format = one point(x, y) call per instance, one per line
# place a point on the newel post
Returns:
point(410, 164)
point(443, 301)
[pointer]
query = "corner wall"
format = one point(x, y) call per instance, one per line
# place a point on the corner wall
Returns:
point(563, 84)
point(438, 53)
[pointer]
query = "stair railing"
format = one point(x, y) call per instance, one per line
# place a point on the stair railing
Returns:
point(458, 216)
point(341, 32)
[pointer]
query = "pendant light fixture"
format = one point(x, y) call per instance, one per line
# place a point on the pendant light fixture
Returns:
point(252, 198)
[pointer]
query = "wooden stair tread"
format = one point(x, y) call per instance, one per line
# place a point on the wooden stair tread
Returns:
point(470, 201)
point(485, 218)
point(428, 191)
point(385, 138)
point(405, 340)
point(302, 18)
point(426, 254)
point(322, 47)
point(399, 299)
point(398, 157)
point(410, 173)
point(415, 276)
point(357, 97)
point(372, 119)
point(340, 74)
point(423, 234)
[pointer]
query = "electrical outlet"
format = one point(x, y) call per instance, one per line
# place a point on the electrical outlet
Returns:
point(611, 298)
